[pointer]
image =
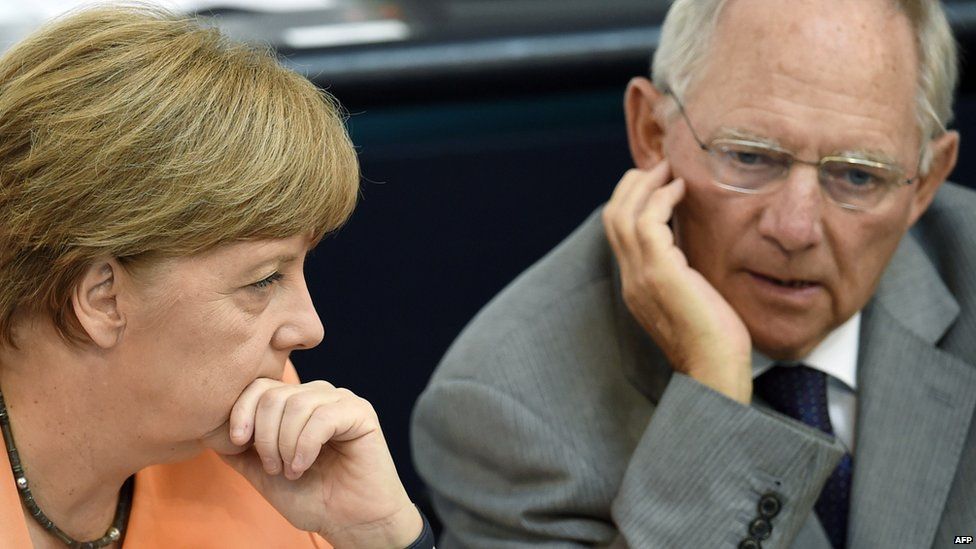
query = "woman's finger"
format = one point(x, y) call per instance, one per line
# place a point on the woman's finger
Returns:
point(298, 408)
point(341, 421)
point(242, 414)
point(267, 423)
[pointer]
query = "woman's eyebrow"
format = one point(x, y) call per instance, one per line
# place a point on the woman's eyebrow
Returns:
point(278, 261)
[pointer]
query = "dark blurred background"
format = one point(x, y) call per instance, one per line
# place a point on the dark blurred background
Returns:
point(487, 130)
point(485, 137)
point(484, 141)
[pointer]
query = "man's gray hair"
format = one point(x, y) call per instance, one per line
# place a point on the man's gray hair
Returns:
point(690, 24)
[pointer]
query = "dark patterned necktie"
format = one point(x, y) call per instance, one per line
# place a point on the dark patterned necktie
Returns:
point(801, 393)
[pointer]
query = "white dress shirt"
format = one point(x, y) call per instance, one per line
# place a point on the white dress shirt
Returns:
point(836, 356)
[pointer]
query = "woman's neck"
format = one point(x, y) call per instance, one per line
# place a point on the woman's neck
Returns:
point(72, 440)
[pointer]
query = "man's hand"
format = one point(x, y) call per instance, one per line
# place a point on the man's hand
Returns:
point(697, 329)
point(320, 459)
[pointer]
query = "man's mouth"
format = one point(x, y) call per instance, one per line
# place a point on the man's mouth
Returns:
point(797, 284)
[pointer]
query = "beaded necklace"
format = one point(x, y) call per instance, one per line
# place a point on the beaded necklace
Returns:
point(114, 533)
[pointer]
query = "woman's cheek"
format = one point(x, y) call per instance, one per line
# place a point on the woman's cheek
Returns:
point(219, 441)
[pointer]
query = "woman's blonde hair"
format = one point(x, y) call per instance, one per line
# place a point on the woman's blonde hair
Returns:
point(131, 133)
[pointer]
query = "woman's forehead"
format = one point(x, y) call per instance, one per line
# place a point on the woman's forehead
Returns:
point(238, 258)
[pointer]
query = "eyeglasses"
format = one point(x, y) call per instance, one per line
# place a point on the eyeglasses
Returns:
point(750, 167)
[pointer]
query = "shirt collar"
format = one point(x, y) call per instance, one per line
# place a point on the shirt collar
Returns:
point(835, 356)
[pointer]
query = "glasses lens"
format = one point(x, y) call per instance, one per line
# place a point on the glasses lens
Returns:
point(746, 166)
point(856, 183)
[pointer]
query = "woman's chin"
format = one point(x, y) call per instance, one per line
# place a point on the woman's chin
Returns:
point(219, 441)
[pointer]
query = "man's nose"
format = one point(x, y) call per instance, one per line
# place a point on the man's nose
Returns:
point(792, 215)
point(303, 328)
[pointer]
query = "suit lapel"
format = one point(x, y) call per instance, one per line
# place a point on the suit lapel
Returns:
point(915, 404)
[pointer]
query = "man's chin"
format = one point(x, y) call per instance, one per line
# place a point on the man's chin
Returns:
point(219, 441)
point(784, 349)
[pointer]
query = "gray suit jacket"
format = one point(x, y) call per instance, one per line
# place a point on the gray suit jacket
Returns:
point(554, 421)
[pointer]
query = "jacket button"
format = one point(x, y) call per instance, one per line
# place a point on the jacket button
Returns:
point(750, 543)
point(769, 505)
point(760, 529)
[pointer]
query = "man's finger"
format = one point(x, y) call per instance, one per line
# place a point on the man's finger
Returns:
point(661, 203)
point(620, 214)
point(636, 185)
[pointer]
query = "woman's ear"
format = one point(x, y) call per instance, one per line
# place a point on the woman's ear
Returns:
point(645, 131)
point(95, 303)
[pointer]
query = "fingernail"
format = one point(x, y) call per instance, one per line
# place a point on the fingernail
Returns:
point(237, 433)
point(271, 466)
point(298, 464)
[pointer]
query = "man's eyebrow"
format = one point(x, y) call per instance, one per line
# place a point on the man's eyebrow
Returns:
point(873, 155)
point(746, 135)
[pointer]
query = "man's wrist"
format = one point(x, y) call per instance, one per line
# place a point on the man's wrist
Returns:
point(730, 378)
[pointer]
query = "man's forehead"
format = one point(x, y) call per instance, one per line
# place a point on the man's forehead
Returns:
point(797, 61)
point(868, 36)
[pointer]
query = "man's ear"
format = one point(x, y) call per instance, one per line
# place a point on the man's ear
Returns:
point(945, 152)
point(645, 131)
point(95, 303)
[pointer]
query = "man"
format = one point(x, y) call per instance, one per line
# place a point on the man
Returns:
point(747, 348)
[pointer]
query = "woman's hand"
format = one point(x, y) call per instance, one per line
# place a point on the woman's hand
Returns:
point(319, 457)
point(697, 329)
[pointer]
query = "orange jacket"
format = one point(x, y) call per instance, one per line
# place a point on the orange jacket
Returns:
point(201, 503)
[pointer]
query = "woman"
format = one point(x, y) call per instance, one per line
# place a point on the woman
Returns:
point(159, 190)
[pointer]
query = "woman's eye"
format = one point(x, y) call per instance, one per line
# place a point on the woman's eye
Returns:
point(269, 281)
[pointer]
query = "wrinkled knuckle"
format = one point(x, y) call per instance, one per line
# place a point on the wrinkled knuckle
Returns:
point(366, 405)
point(648, 276)
point(264, 384)
point(321, 415)
point(299, 403)
point(370, 417)
point(344, 393)
point(321, 384)
point(646, 217)
point(309, 397)
point(628, 293)
point(272, 399)
point(265, 443)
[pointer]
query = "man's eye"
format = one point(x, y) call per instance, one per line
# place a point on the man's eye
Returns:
point(860, 178)
point(269, 281)
point(749, 159)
